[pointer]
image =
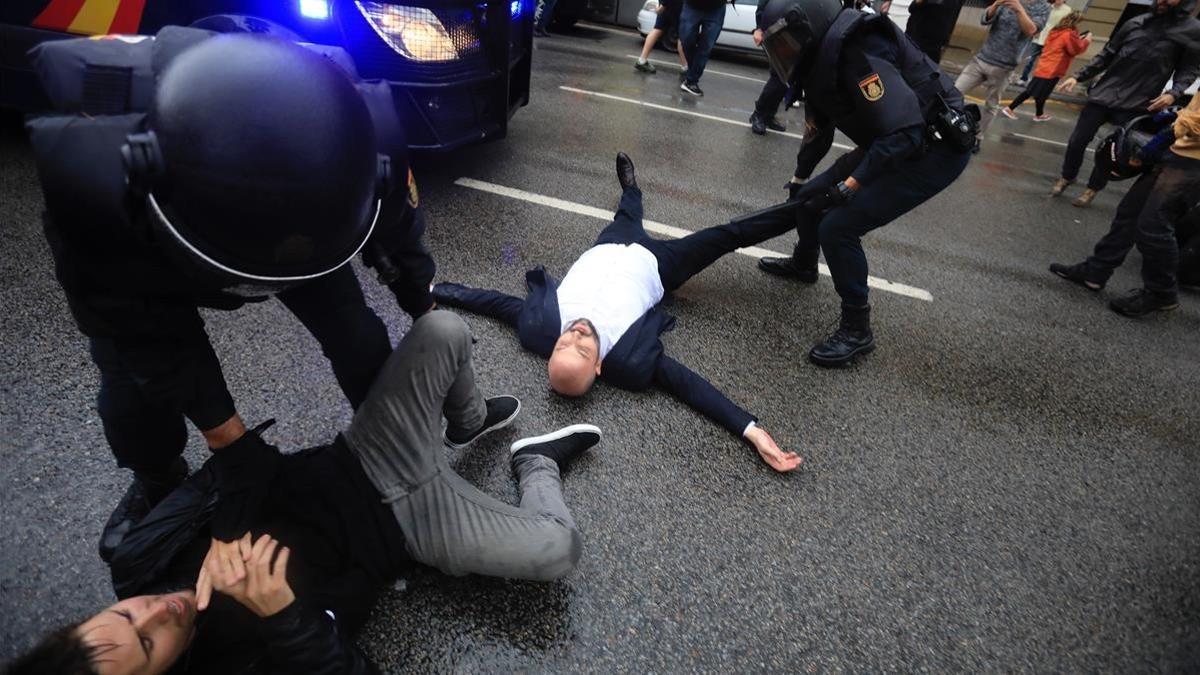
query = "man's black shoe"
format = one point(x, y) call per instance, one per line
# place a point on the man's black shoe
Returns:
point(142, 495)
point(1140, 302)
point(774, 124)
point(757, 124)
point(1077, 274)
point(501, 410)
point(626, 175)
point(693, 89)
point(562, 446)
point(786, 267)
point(852, 338)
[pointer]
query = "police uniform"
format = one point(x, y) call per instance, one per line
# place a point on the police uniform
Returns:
point(135, 302)
point(868, 80)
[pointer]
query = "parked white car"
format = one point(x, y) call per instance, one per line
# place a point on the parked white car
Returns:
point(736, 35)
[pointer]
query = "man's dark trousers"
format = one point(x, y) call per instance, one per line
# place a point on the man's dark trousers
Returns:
point(682, 259)
point(772, 94)
point(838, 233)
point(698, 29)
point(1091, 118)
point(147, 391)
point(1146, 218)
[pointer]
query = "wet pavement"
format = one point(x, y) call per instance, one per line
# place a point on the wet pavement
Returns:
point(1008, 483)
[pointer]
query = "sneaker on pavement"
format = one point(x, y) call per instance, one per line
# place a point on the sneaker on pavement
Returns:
point(1008, 112)
point(1084, 199)
point(1059, 185)
point(644, 66)
point(1077, 274)
point(562, 446)
point(501, 411)
point(1140, 302)
point(757, 124)
point(1042, 118)
point(693, 89)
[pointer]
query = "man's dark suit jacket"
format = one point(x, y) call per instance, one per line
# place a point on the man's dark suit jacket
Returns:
point(635, 362)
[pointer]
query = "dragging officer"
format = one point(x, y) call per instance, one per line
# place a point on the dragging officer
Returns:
point(197, 170)
point(865, 78)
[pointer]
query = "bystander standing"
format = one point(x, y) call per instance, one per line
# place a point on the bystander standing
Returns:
point(699, 25)
point(665, 24)
point(1064, 44)
point(1059, 10)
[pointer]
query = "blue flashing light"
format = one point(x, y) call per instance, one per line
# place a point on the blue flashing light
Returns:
point(314, 9)
point(515, 8)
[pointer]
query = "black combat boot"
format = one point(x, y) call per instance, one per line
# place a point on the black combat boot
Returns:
point(142, 495)
point(853, 337)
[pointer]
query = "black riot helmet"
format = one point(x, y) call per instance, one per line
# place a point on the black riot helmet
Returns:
point(1115, 150)
point(260, 164)
point(793, 30)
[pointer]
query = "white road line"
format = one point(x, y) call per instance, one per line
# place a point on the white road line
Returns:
point(668, 230)
point(706, 70)
point(714, 118)
point(1035, 138)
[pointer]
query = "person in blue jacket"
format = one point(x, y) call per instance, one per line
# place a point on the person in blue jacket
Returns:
point(603, 319)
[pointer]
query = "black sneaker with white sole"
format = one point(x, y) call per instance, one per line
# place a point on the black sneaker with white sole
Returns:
point(562, 446)
point(501, 411)
point(1077, 274)
point(693, 89)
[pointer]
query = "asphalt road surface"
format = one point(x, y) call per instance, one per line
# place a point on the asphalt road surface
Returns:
point(1008, 483)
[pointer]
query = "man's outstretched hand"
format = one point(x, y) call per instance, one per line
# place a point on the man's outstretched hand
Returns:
point(776, 458)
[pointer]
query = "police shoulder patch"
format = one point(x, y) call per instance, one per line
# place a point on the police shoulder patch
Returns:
point(871, 87)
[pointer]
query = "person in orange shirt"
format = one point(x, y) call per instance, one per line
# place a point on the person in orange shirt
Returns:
point(1062, 45)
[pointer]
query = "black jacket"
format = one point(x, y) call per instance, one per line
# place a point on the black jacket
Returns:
point(345, 544)
point(636, 362)
point(1141, 57)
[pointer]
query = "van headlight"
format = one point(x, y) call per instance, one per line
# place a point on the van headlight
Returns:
point(413, 32)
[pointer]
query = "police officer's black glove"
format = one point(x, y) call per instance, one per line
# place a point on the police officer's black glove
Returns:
point(244, 470)
point(833, 197)
point(793, 188)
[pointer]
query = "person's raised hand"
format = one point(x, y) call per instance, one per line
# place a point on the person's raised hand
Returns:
point(1067, 85)
point(224, 568)
point(776, 458)
point(266, 591)
point(1163, 101)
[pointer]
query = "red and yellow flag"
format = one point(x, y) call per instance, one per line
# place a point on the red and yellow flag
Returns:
point(92, 17)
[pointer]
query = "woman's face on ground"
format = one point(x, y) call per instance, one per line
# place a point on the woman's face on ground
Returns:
point(142, 635)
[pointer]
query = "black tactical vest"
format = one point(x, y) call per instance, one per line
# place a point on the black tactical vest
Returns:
point(117, 279)
point(882, 97)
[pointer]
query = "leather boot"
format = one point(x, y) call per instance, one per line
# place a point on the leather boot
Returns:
point(1085, 198)
point(1059, 185)
point(142, 495)
point(787, 267)
point(853, 337)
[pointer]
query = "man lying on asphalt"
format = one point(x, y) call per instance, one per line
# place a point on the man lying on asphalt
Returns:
point(603, 319)
point(334, 525)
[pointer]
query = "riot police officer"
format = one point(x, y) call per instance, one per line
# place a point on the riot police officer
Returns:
point(199, 170)
point(864, 77)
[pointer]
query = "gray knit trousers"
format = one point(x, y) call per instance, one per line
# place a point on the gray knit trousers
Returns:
point(448, 523)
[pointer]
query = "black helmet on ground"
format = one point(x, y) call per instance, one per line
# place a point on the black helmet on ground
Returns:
point(1114, 152)
point(260, 164)
point(794, 29)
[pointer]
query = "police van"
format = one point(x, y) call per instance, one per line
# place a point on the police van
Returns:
point(458, 69)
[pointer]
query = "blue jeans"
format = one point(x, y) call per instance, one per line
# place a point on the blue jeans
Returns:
point(1035, 50)
point(698, 31)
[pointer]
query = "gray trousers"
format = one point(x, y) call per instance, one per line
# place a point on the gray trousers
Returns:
point(447, 522)
point(993, 79)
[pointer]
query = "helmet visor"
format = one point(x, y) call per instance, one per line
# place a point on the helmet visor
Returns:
point(784, 47)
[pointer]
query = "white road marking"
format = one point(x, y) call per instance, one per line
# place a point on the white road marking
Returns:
point(1035, 138)
point(656, 106)
point(706, 70)
point(668, 230)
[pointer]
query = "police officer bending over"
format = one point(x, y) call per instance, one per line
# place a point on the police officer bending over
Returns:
point(254, 167)
point(864, 77)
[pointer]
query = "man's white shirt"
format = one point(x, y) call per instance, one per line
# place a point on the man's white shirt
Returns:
point(611, 285)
